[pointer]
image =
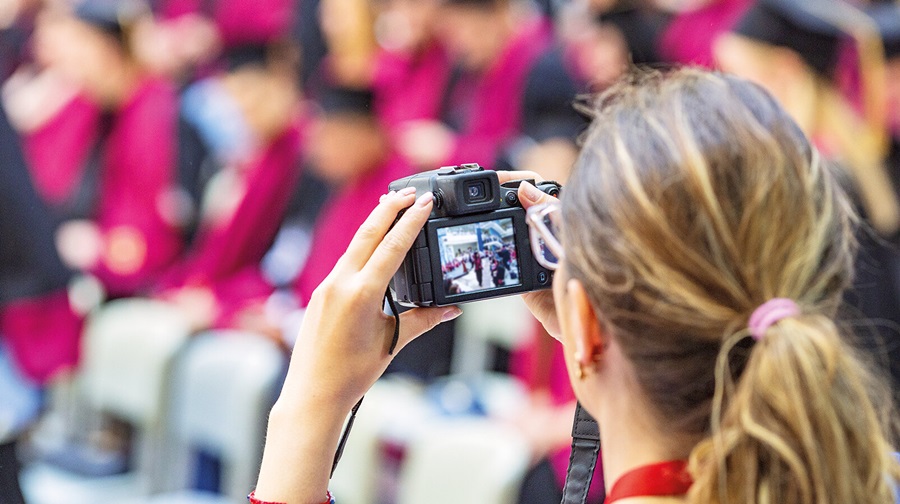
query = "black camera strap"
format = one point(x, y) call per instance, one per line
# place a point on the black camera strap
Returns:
point(583, 460)
point(394, 340)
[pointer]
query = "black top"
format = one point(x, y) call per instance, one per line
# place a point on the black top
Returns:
point(343, 100)
point(29, 264)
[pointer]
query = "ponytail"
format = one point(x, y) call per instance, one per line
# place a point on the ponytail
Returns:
point(805, 422)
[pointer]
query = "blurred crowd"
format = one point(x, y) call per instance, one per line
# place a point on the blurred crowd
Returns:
point(218, 155)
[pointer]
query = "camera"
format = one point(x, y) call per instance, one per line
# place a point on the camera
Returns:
point(475, 245)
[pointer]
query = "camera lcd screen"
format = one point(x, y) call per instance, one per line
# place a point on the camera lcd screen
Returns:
point(479, 256)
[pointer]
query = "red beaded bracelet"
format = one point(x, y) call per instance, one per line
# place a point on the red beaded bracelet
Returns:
point(329, 499)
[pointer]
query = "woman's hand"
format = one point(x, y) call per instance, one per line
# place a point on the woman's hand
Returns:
point(539, 302)
point(345, 336)
point(341, 350)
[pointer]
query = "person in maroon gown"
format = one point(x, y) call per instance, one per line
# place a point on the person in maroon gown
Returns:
point(412, 68)
point(359, 176)
point(113, 191)
point(356, 177)
point(494, 45)
point(242, 203)
point(689, 37)
point(192, 33)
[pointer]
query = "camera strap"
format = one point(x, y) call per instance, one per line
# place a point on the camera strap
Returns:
point(583, 460)
point(394, 340)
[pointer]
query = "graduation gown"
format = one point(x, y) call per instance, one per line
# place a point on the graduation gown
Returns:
point(227, 254)
point(487, 109)
point(689, 37)
point(36, 323)
point(339, 220)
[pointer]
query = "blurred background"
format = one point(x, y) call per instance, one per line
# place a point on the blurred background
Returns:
point(177, 176)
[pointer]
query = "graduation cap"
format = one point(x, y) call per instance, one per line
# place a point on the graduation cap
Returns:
point(887, 18)
point(111, 16)
point(798, 25)
point(474, 3)
point(247, 54)
point(342, 100)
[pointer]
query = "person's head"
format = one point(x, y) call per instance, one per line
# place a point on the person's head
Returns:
point(347, 140)
point(475, 31)
point(794, 49)
point(783, 46)
point(91, 46)
point(261, 78)
point(695, 200)
point(887, 18)
point(406, 25)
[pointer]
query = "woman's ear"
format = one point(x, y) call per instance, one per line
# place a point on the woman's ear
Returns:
point(589, 340)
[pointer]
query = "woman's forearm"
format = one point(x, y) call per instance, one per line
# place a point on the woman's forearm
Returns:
point(300, 444)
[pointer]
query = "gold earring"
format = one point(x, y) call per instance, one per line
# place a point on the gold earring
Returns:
point(581, 373)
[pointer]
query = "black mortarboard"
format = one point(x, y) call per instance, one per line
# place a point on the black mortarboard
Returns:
point(111, 16)
point(247, 54)
point(797, 25)
point(473, 3)
point(887, 17)
point(340, 100)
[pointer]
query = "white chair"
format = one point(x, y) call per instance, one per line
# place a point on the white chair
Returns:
point(224, 386)
point(392, 409)
point(462, 461)
point(127, 352)
point(503, 322)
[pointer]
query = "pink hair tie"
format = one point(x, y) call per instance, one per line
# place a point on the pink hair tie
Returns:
point(770, 313)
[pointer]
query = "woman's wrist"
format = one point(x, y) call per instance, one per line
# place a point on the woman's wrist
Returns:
point(301, 440)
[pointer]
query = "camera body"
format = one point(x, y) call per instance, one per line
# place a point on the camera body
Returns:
point(476, 243)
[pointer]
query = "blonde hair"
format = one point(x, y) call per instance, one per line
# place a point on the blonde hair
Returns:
point(695, 200)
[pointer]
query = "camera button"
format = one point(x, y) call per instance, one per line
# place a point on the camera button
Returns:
point(426, 291)
point(423, 264)
point(543, 277)
point(512, 198)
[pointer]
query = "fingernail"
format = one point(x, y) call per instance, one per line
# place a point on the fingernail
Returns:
point(424, 200)
point(531, 193)
point(450, 314)
point(406, 191)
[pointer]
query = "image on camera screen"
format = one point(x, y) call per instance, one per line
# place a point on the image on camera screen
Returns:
point(479, 256)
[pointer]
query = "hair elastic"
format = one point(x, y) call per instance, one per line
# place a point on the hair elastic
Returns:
point(770, 313)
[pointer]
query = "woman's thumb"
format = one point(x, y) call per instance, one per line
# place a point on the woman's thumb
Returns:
point(415, 322)
point(530, 195)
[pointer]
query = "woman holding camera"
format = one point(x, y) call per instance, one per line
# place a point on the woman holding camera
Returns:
point(703, 248)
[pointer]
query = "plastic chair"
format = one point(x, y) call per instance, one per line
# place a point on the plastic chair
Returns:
point(502, 322)
point(393, 408)
point(464, 461)
point(224, 386)
point(128, 349)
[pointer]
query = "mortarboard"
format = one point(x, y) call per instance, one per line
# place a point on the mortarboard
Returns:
point(887, 18)
point(797, 25)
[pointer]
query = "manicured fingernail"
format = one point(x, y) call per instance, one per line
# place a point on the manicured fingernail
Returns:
point(531, 193)
point(424, 200)
point(406, 191)
point(450, 314)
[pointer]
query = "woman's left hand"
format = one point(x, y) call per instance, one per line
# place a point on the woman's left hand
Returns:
point(341, 350)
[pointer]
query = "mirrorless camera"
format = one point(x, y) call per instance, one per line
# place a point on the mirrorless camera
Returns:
point(475, 244)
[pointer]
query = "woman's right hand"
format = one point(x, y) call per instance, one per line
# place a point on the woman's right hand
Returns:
point(539, 302)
